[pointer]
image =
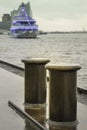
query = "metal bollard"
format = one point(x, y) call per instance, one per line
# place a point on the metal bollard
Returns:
point(62, 94)
point(35, 80)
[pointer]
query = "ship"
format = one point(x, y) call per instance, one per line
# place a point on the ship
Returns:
point(23, 25)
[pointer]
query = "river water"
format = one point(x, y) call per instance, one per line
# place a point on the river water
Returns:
point(67, 48)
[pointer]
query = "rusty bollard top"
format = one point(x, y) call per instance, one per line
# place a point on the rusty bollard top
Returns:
point(35, 60)
point(63, 67)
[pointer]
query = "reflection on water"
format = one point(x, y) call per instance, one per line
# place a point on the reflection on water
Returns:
point(62, 128)
point(37, 112)
point(30, 126)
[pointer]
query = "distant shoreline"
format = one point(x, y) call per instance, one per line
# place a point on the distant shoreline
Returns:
point(60, 32)
point(47, 32)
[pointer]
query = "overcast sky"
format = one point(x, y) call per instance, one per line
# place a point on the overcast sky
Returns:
point(53, 15)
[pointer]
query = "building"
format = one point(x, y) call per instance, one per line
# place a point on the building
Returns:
point(27, 7)
point(7, 18)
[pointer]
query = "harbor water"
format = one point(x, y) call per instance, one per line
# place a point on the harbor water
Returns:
point(66, 48)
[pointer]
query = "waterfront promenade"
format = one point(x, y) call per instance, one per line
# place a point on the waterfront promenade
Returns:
point(12, 88)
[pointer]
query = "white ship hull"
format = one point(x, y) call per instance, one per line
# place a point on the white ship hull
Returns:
point(25, 34)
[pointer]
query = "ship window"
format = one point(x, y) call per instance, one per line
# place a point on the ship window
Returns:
point(14, 24)
point(23, 23)
point(32, 24)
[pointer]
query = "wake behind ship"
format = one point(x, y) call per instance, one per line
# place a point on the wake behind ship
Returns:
point(23, 25)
